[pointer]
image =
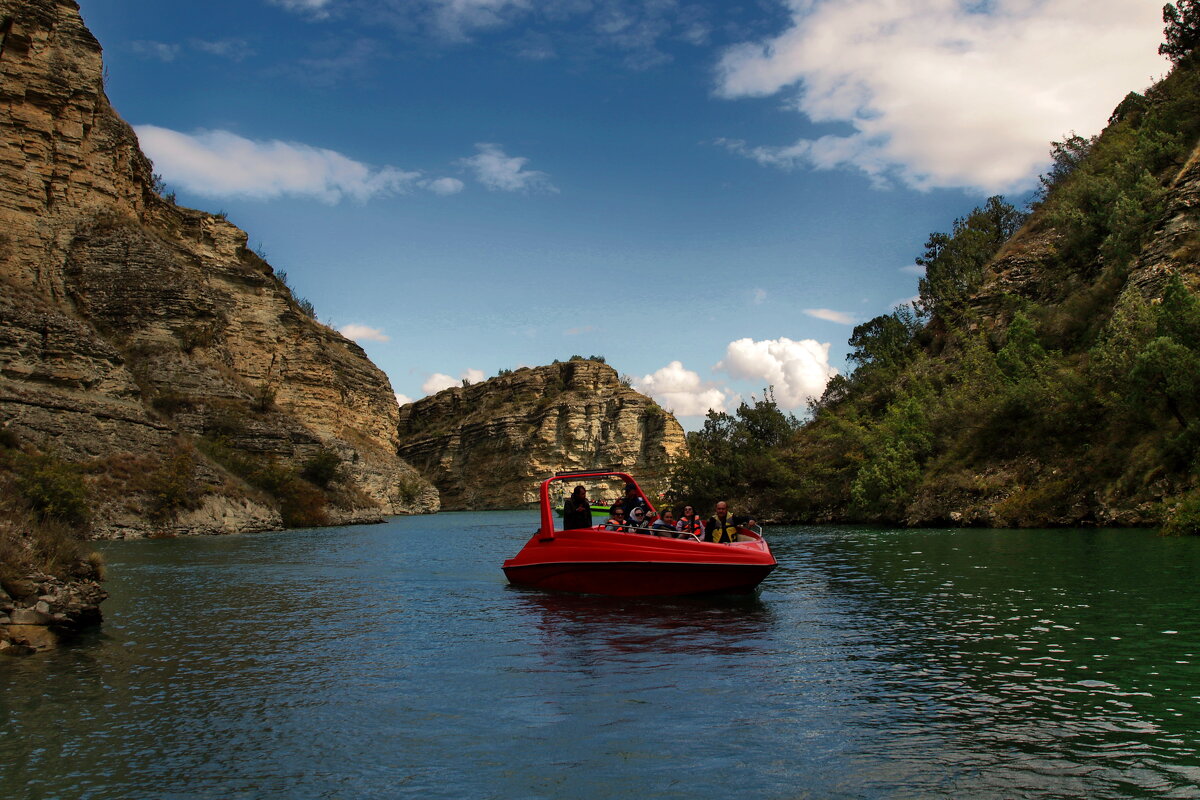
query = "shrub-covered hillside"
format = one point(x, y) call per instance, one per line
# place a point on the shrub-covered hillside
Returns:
point(1049, 373)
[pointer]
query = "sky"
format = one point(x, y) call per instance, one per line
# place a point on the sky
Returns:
point(711, 195)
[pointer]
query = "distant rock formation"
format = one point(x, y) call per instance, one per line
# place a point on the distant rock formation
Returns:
point(490, 444)
point(142, 337)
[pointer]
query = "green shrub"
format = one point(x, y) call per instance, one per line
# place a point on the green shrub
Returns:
point(172, 486)
point(53, 488)
point(1184, 518)
point(323, 468)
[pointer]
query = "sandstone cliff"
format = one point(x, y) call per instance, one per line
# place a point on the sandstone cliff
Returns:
point(145, 340)
point(490, 444)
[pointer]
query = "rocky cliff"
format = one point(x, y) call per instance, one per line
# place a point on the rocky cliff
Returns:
point(488, 445)
point(145, 341)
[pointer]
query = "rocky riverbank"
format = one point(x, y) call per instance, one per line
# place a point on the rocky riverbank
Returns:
point(39, 611)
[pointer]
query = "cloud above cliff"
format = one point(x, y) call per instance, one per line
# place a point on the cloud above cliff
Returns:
point(942, 93)
point(440, 380)
point(363, 333)
point(500, 172)
point(797, 371)
point(682, 392)
point(222, 164)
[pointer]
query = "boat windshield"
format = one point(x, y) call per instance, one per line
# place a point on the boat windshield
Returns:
point(603, 489)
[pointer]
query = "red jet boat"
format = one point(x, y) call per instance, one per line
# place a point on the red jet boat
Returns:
point(596, 561)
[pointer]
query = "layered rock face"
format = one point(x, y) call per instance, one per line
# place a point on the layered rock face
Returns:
point(489, 445)
point(131, 327)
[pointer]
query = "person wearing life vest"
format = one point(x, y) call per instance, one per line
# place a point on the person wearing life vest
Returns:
point(617, 521)
point(690, 522)
point(722, 526)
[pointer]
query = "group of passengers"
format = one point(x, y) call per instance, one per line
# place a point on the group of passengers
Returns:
point(632, 514)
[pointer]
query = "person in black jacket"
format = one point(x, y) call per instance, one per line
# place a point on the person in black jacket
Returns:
point(722, 526)
point(577, 510)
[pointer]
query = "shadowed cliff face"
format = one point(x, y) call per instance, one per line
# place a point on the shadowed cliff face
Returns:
point(489, 445)
point(134, 328)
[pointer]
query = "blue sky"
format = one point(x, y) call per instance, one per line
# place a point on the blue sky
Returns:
point(709, 194)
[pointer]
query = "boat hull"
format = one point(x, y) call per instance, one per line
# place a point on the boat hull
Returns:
point(629, 564)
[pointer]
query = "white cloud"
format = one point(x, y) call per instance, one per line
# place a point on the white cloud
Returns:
point(223, 164)
point(440, 380)
point(233, 49)
point(314, 8)
point(442, 186)
point(457, 18)
point(914, 269)
point(943, 93)
point(403, 399)
point(829, 315)
point(501, 172)
point(361, 333)
point(162, 51)
point(798, 371)
point(681, 391)
point(437, 382)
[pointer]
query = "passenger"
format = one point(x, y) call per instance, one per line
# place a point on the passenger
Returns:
point(577, 511)
point(635, 505)
point(664, 525)
point(617, 521)
point(722, 526)
point(691, 523)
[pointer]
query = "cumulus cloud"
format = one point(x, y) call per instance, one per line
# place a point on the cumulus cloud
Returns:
point(362, 333)
point(223, 164)
point(798, 371)
point(829, 315)
point(500, 172)
point(681, 391)
point(440, 380)
point(942, 93)
point(403, 399)
point(437, 382)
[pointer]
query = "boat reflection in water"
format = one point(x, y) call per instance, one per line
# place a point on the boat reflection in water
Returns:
point(634, 562)
point(588, 631)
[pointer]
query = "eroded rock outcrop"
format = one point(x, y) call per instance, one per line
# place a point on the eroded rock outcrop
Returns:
point(134, 330)
point(488, 445)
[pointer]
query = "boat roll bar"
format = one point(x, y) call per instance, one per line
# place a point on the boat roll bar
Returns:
point(546, 532)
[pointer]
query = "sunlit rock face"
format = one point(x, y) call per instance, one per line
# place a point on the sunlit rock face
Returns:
point(133, 328)
point(490, 444)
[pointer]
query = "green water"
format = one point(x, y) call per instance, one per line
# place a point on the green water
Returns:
point(394, 661)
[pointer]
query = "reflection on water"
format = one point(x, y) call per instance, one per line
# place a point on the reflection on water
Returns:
point(394, 660)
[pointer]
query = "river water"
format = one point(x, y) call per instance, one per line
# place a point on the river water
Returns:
point(394, 661)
